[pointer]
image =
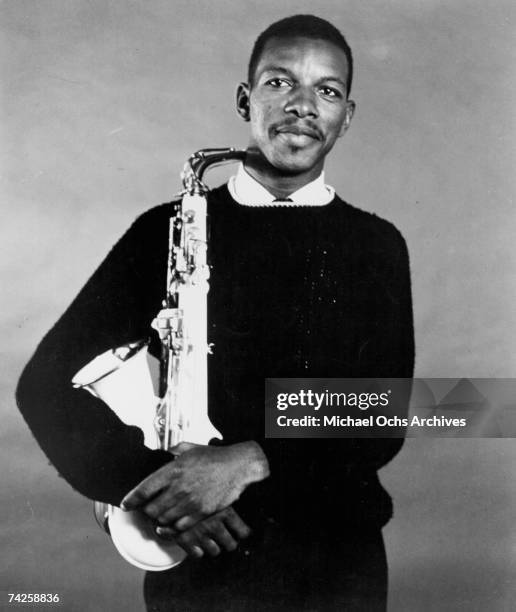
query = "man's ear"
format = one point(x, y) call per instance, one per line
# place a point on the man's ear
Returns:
point(242, 101)
point(350, 111)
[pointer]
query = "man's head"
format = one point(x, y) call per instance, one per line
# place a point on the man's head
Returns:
point(301, 26)
point(296, 99)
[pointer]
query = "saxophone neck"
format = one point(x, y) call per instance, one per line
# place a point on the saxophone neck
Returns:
point(198, 163)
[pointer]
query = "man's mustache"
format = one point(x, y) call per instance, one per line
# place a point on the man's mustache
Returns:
point(305, 128)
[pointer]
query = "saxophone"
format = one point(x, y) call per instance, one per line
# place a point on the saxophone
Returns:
point(121, 377)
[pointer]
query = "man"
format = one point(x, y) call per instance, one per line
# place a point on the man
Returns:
point(302, 284)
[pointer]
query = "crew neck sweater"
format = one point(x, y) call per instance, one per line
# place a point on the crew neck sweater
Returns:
point(294, 292)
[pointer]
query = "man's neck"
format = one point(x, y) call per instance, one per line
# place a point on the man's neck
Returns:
point(279, 185)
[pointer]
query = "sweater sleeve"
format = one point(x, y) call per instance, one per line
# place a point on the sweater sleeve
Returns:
point(391, 354)
point(91, 448)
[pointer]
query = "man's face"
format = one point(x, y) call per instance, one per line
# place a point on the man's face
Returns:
point(298, 104)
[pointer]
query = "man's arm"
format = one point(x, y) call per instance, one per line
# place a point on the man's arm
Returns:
point(392, 353)
point(100, 456)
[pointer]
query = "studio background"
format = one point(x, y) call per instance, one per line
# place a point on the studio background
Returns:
point(102, 102)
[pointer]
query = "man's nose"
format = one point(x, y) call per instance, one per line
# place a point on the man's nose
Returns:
point(302, 103)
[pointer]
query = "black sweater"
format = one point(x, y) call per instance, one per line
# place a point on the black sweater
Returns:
point(318, 291)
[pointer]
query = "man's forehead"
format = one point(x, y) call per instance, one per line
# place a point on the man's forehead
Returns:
point(278, 52)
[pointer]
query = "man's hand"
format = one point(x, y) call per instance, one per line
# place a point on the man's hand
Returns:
point(201, 481)
point(218, 532)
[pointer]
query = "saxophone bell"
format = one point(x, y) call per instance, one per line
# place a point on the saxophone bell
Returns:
point(122, 378)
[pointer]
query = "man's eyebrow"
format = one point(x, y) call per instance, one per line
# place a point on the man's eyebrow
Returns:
point(276, 69)
point(333, 78)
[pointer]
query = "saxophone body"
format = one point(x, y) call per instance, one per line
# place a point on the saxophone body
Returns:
point(121, 377)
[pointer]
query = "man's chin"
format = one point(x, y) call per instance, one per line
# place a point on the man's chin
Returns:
point(287, 161)
point(296, 164)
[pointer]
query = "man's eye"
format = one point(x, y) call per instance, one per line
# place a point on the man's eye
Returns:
point(278, 82)
point(330, 92)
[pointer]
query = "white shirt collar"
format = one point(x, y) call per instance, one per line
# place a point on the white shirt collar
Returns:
point(248, 191)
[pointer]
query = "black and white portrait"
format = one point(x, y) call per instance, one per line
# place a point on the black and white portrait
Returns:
point(366, 231)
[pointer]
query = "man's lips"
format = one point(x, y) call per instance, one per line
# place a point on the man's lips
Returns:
point(298, 130)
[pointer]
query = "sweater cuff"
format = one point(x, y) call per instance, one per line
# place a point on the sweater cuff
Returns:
point(123, 480)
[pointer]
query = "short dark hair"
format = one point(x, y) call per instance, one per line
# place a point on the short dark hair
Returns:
point(307, 26)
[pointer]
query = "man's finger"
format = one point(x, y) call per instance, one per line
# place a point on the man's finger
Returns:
point(190, 545)
point(235, 524)
point(167, 533)
point(146, 489)
point(219, 534)
point(210, 546)
point(186, 522)
point(163, 503)
point(173, 515)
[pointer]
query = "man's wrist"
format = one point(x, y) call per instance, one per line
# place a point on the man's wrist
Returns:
point(253, 462)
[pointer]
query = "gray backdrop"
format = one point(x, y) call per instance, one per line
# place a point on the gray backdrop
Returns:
point(102, 101)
